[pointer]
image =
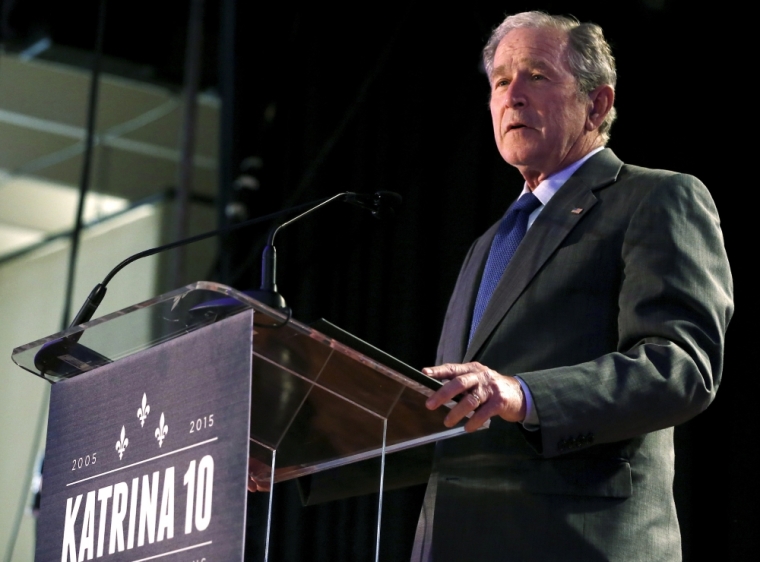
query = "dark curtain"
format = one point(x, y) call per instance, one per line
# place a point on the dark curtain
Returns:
point(371, 97)
point(368, 98)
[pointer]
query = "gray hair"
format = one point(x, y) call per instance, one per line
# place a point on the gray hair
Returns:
point(590, 56)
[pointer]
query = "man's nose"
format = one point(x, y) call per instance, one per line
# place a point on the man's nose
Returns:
point(515, 96)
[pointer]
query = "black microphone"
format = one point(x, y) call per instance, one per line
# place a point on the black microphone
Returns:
point(64, 357)
point(382, 203)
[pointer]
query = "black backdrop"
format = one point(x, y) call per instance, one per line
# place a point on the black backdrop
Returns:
point(394, 98)
point(375, 96)
point(368, 99)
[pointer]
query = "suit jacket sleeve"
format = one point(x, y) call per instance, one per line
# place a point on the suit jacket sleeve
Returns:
point(675, 302)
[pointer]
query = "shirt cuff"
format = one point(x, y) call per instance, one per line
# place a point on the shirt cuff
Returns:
point(530, 422)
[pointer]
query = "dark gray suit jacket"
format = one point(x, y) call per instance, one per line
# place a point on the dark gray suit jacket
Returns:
point(613, 311)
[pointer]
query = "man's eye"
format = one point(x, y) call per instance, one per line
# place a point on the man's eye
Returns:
point(502, 82)
point(537, 77)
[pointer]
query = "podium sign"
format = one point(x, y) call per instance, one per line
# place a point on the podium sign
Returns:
point(146, 456)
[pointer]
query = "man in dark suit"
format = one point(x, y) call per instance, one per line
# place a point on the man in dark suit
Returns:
point(583, 326)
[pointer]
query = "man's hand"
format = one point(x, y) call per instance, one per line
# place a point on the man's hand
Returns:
point(486, 392)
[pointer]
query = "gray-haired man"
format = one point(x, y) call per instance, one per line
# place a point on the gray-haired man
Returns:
point(586, 344)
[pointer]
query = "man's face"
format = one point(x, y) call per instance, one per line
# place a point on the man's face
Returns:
point(538, 115)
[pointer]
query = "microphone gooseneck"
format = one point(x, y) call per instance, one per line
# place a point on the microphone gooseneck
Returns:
point(267, 292)
point(380, 204)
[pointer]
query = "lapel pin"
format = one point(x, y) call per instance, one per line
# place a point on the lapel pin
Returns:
point(577, 211)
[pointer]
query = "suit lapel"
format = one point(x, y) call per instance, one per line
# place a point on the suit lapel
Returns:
point(548, 231)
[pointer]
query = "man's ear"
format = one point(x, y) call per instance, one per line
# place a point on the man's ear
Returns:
point(601, 99)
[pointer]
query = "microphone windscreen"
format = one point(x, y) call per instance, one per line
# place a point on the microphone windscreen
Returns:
point(385, 204)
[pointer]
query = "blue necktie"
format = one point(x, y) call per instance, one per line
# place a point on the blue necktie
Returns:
point(511, 232)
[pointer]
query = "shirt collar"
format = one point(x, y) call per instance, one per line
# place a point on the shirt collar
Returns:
point(547, 188)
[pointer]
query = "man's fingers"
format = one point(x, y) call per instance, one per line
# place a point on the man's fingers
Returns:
point(451, 370)
point(255, 469)
point(482, 410)
point(466, 405)
point(452, 388)
point(484, 392)
point(445, 371)
point(460, 377)
point(254, 486)
point(481, 416)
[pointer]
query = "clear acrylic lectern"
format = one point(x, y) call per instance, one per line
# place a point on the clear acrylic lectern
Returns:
point(315, 403)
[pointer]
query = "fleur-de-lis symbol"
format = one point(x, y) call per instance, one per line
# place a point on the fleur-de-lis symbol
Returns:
point(122, 443)
point(143, 411)
point(161, 430)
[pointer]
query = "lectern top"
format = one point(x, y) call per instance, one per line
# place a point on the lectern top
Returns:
point(141, 326)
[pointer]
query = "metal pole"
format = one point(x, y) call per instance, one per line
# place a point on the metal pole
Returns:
point(193, 50)
point(84, 183)
point(226, 128)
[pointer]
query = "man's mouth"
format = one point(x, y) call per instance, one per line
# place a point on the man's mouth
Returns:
point(514, 126)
